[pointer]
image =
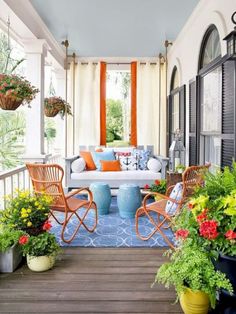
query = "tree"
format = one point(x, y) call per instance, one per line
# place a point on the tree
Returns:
point(114, 119)
point(12, 131)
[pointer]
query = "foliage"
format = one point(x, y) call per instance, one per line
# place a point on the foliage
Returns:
point(191, 267)
point(17, 88)
point(40, 245)
point(159, 186)
point(8, 237)
point(12, 130)
point(180, 168)
point(210, 216)
point(57, 103)
point(26, 210)
point(114, 122)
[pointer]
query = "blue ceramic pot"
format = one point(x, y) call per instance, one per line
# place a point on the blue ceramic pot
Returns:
point(101, 196)
point(128, 200)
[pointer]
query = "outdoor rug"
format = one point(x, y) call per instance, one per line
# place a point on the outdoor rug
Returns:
point(111, 231)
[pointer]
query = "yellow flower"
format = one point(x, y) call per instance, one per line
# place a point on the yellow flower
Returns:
point(25, 220)
point(36, 203)
point(29, 224)
point(29, 210)
point(24, 215)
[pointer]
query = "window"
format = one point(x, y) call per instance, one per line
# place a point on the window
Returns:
point(176, 107)
point(118, 108)
point(211, 99)
point(210, 49)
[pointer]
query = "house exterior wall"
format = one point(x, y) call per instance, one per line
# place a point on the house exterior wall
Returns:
point(185, 51)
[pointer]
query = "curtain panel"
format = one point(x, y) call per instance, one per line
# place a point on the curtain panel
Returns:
point(148, 113)
point(86, 127)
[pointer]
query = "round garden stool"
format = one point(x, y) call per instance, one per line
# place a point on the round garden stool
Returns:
point(128, 200)
point(101, 196)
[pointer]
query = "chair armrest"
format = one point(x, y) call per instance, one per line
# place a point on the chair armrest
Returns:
point(164, 162)
point(169, 190)
point(68, 162)
point(77, 191)
point(160, 196)
point(72, 158)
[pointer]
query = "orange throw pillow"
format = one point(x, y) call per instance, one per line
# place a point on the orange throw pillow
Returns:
point(110, 165)
point(90, 165)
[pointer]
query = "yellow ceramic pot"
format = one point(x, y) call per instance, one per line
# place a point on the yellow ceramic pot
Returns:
point(40, 263)
point(194, 302)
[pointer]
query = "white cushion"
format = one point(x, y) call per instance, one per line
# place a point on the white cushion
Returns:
point(175, 194)
point(128, 162)
point(154, 165)
point(78, 165)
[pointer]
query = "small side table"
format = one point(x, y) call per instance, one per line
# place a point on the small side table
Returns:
point(128, 200)
point(172, 178)
point(101, 196)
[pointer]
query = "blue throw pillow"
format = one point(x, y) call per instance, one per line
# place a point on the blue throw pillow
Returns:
point(98, 156)
point(143, 157)
point(175, 194)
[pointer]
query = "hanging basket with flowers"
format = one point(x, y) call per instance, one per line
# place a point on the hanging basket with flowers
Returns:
point(15, 91)
point(54, 105)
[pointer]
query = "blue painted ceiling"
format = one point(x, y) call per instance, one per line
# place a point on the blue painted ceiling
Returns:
point(115, 28)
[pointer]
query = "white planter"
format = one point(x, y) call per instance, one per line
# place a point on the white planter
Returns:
point(10, 259)
point(40, 263)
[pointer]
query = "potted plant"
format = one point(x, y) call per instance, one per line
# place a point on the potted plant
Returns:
point(26, 211)
point(14, 91)
point(10, 252)
point(180, 168)
point(40, 251)
point(210, 219)
point(54, 105)
point(159, 186)
point(192, 273)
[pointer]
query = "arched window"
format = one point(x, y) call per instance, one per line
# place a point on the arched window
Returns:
point(210, 49)
point(176, 106)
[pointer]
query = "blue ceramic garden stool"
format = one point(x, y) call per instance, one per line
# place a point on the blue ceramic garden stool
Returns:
point(101, 196)
point(128, 200)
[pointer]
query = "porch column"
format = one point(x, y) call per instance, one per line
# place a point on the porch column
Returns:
point(35, 51)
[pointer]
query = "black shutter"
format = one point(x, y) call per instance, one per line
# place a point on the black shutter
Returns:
point(169, 121)
point(228, 113)
point(182, 106)
point(192, 124)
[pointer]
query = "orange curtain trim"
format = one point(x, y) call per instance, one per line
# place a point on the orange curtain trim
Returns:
point(103, 69)
point(133, 137)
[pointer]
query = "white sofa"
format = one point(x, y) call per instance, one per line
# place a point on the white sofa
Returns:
point(113, 178)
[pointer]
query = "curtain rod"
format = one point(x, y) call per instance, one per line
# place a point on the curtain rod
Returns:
point(119, 63)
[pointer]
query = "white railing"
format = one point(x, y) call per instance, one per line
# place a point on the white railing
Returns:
point(18, 178)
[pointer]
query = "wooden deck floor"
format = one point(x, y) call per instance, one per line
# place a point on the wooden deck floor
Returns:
point(90, 280)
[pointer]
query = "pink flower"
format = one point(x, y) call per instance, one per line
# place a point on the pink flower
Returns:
point(47, 225)
point(181, 233)
point(146, 186)
point(203, 216)
point(230, 235)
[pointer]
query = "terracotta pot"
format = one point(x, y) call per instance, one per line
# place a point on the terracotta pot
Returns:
point(194, 302)
point(40, 263)
point(8, 103)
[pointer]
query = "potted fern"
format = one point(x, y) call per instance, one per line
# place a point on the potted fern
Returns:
point(192, 273)
point(54, 105)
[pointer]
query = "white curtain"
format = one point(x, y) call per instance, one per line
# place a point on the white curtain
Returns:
point(84, 128)
point(148, 105)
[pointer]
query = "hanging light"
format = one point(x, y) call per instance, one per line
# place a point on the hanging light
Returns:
point(176, 152)
point(231, 40)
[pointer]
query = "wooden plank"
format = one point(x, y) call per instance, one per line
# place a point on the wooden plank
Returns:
point(90, 307)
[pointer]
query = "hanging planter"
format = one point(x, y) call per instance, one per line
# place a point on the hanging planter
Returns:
point(15, 91)
point(54, 105)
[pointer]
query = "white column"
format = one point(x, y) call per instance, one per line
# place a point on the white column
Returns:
point(35, 51)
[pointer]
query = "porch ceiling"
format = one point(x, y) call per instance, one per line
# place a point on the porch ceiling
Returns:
point(115, 28)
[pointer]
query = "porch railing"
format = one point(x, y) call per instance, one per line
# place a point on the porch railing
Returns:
point(18, 178)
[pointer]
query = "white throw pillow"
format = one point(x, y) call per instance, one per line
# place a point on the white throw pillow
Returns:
point(128, 163)
point(176, 194)
point(78, 165)
point(154, 165)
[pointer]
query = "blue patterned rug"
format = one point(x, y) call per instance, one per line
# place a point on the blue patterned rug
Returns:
point(111, 231)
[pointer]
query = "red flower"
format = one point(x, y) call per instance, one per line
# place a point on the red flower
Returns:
point(190, 205)
point(203, 216)
point(181, 233)
point(47, 225)
point(146, 186)
point(23, 239)
point(230, 235)
point(208, 229)
point(157, 182)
